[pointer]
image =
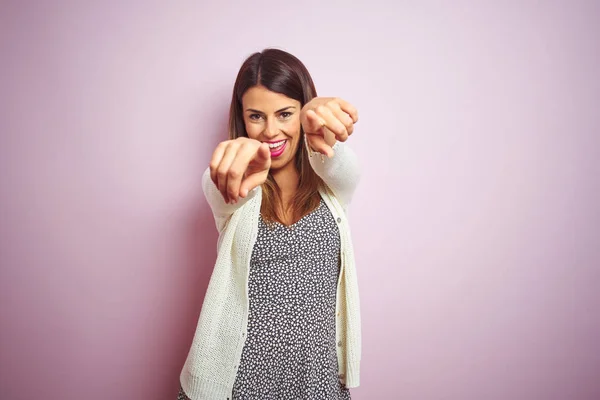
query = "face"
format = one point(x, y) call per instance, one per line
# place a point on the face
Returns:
point(275, 119)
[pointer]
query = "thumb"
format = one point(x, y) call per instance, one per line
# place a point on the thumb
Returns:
point(259, 170)
point(251, 182)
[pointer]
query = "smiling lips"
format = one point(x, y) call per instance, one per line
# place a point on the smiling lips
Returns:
point(277, 148)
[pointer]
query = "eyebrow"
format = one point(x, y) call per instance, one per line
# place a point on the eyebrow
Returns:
point(276, 112)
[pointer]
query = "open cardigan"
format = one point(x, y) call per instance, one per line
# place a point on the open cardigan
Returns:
point(213, 359)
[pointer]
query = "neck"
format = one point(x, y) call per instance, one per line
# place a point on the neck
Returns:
point(287, 178)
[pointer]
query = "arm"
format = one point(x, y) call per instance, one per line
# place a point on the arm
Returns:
point(220, 209)
point(341, 172)
point(327, 124)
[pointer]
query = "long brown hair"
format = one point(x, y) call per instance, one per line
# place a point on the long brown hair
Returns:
point(283, 73)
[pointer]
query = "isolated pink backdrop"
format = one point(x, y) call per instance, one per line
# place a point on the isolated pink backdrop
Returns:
point(476, 224)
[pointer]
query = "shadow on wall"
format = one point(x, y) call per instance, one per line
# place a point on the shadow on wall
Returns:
point(200, 249)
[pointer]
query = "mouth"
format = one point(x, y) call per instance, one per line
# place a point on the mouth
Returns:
point(277, 148)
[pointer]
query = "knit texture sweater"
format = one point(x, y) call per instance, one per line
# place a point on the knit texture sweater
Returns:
point(213, 359)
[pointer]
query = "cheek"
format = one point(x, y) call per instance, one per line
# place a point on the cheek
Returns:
point(253, 130)
point(293, 129)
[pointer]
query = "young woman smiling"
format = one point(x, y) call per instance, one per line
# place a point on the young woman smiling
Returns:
point(281, 318)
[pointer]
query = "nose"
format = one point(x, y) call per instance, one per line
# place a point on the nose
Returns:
point(271, 129)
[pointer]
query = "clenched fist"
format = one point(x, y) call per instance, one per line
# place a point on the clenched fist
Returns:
point(323, 114)
point(238, 166)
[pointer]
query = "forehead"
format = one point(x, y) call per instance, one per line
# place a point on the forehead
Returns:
point(261, 98)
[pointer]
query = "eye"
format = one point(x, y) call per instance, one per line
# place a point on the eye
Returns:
point(254, 117)
point(285, 115)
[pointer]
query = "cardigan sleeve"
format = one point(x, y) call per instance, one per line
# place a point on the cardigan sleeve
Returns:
point(341, 173)
point(221, 210)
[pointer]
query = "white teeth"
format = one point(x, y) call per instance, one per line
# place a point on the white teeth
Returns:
point(275, 145)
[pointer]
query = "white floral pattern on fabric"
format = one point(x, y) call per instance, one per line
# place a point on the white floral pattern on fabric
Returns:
point(290, 349)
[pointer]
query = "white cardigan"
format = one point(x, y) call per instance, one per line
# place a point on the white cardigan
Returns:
point(213, 359)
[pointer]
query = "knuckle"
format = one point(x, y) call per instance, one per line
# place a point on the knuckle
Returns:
point(224, 145)
point(221, 173)
point(234, 173)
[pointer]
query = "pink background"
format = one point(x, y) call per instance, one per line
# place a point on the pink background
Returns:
point(476, 224)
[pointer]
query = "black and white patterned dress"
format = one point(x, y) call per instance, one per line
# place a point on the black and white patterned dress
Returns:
point(290, 349)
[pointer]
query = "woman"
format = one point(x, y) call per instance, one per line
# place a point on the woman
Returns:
point(280, 319)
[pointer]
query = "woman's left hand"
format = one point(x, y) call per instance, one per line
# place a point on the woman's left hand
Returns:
point(323, 114)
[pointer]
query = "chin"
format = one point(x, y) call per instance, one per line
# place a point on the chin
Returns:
point(278, 164)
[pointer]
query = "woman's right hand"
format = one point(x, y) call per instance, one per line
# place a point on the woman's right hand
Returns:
point(238, 166)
